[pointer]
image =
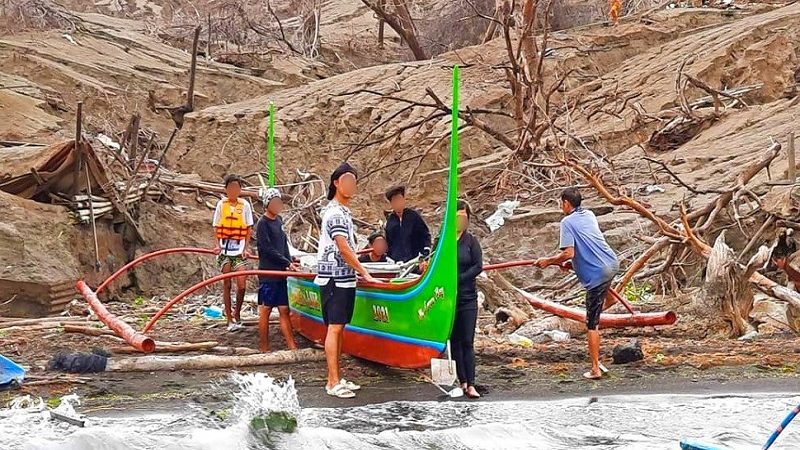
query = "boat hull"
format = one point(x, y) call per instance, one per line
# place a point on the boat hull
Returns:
point(399, 329)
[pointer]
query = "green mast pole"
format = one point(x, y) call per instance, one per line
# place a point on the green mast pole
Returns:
point(453, 175)
point(271, 145)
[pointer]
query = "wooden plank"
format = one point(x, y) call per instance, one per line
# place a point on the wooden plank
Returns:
point(790, 153)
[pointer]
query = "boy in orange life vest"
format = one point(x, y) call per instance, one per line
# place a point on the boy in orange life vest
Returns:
point(233, 222)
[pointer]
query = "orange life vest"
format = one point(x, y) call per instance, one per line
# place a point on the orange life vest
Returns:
point(232, 224)
point(614, 9)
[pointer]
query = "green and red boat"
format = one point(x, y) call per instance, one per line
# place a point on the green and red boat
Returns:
point(406, 322)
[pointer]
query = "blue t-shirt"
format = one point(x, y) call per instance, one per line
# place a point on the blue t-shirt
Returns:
point(594, 261)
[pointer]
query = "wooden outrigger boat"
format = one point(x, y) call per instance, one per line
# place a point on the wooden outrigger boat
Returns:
point(406, 322)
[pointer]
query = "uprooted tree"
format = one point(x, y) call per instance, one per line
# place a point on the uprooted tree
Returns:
point(540, 149)
point(397, 15)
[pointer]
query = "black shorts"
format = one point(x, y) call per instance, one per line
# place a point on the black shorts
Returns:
point(595, 299)
point(337, 304)
point(273, 293)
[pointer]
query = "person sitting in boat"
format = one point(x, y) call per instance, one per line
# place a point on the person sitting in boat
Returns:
point(337, 265)
point(462, 338)
point(593, 261)
point(377, 243)
point(273, 254)
point(233, 222)
point(406, 232)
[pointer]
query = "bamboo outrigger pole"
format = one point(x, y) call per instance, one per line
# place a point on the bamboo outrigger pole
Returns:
point(271, 146)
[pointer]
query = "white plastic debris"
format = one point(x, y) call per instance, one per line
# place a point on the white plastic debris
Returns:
point(750, 336)
point(551, 335)
point(70, 39)
point(504, 211)
point(652, 189)
point(107, 141)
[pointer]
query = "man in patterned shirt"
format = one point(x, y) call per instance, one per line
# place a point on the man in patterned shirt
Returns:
point(337, 264)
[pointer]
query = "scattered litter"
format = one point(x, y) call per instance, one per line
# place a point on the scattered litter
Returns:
point(79, 362)
point(628, 352)
point(651, 189)
point(65, 411)
point(550, 335)
point(108, 142)
point(522, 341)
point(549, 52)
point(212, 312)
point(504, 211)
point(70, 39)
point(750, 336)
point(11, 373)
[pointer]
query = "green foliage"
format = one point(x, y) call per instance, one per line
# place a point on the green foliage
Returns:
point(275, 421)
point(222, 415)
point(659, 358)
point(53, 402)
point(635, 292)
point(139, 301)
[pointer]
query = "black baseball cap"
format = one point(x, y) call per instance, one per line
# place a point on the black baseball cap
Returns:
point(341, 170)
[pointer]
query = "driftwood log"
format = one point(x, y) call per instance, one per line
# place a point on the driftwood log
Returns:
point(211, 362)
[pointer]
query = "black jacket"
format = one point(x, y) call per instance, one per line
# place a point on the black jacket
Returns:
point(407, 238)
point(273, 246)
point(470, 265)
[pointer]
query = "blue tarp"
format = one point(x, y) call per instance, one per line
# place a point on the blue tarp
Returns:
point(10, 371)
point(689, 444)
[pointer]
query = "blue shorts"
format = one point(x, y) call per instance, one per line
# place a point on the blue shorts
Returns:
point(273, 293)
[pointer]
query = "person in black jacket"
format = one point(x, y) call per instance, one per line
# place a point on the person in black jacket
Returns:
point(377, 243)
point(406, 232)
point(273, 254)
point(462, 338)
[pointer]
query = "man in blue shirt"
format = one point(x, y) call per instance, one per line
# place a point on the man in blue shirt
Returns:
point(594, 263)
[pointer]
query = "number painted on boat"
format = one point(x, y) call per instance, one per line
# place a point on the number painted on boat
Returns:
point(306, 298)
point(380, 313)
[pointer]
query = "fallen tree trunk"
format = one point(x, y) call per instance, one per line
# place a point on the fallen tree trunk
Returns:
point(35, 327)
point(210, 362)
point(238, 351)
point(40, 325)
point(89, 331)
point(18, 321)
point(169, 347)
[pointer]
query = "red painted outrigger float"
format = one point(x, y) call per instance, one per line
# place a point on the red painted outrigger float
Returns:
point(143, 343)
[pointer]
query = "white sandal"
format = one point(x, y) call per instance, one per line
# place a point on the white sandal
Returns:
point(349, 385)
point(340, 391)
